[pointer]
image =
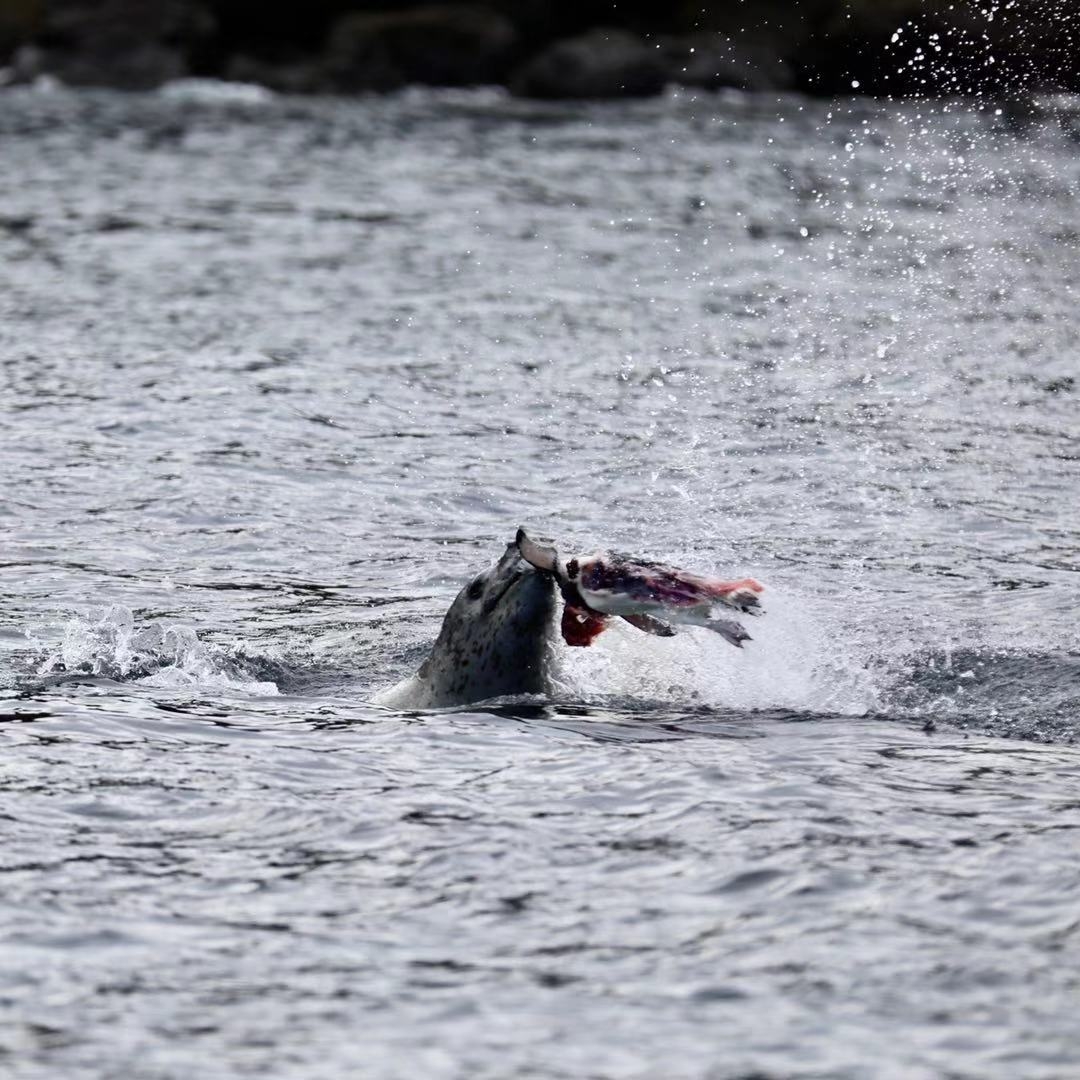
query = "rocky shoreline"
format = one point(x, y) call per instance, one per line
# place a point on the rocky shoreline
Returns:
point(548, 48)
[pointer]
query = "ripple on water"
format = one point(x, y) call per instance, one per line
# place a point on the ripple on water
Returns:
point(281, 374)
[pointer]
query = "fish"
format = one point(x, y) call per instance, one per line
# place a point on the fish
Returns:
point(649, 595)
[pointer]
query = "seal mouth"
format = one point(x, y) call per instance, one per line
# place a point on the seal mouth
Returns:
point(520, 574)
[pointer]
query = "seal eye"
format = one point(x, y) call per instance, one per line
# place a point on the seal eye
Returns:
point(475, 589)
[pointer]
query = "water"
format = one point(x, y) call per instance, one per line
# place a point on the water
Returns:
point(279, 375)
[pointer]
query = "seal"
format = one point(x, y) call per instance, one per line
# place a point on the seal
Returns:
point(496, 640)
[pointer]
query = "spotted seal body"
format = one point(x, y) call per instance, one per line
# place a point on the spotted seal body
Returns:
point(496, 640)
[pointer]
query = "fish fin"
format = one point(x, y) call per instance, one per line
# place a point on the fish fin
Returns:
point(729, 630)
point(651, 625)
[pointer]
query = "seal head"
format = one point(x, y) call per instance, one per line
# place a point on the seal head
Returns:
point(495, 640)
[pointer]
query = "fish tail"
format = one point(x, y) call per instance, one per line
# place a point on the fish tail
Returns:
point(741, 595)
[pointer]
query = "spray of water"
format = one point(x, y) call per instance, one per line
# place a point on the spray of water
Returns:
point(799, 659)
point(109, 643)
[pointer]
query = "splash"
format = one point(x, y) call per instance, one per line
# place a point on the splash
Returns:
point(108, 643)
point(798, 659)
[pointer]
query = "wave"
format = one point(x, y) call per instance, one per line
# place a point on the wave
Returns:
point(799, 661)
point(203, 91)
point(1017, 693)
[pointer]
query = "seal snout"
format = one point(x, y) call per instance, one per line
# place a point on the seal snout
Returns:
point(511, 575)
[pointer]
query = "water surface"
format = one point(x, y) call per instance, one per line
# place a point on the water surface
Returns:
point(278, 375)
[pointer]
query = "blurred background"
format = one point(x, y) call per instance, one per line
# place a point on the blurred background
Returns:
point(546, 48)
point(304, 308)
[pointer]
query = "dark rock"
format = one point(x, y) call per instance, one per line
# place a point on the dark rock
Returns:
point(444, 45)
point(282, 31)
point(881, 47)
point(20, 20)
point(713, 60)
point(129, 44)
point(283, 76)
point(599, 64)
point(138, 67)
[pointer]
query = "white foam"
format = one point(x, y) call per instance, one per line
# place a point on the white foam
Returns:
point(216, 92)
point(110, 643)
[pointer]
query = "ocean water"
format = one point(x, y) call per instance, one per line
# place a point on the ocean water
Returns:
point(278, 375)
